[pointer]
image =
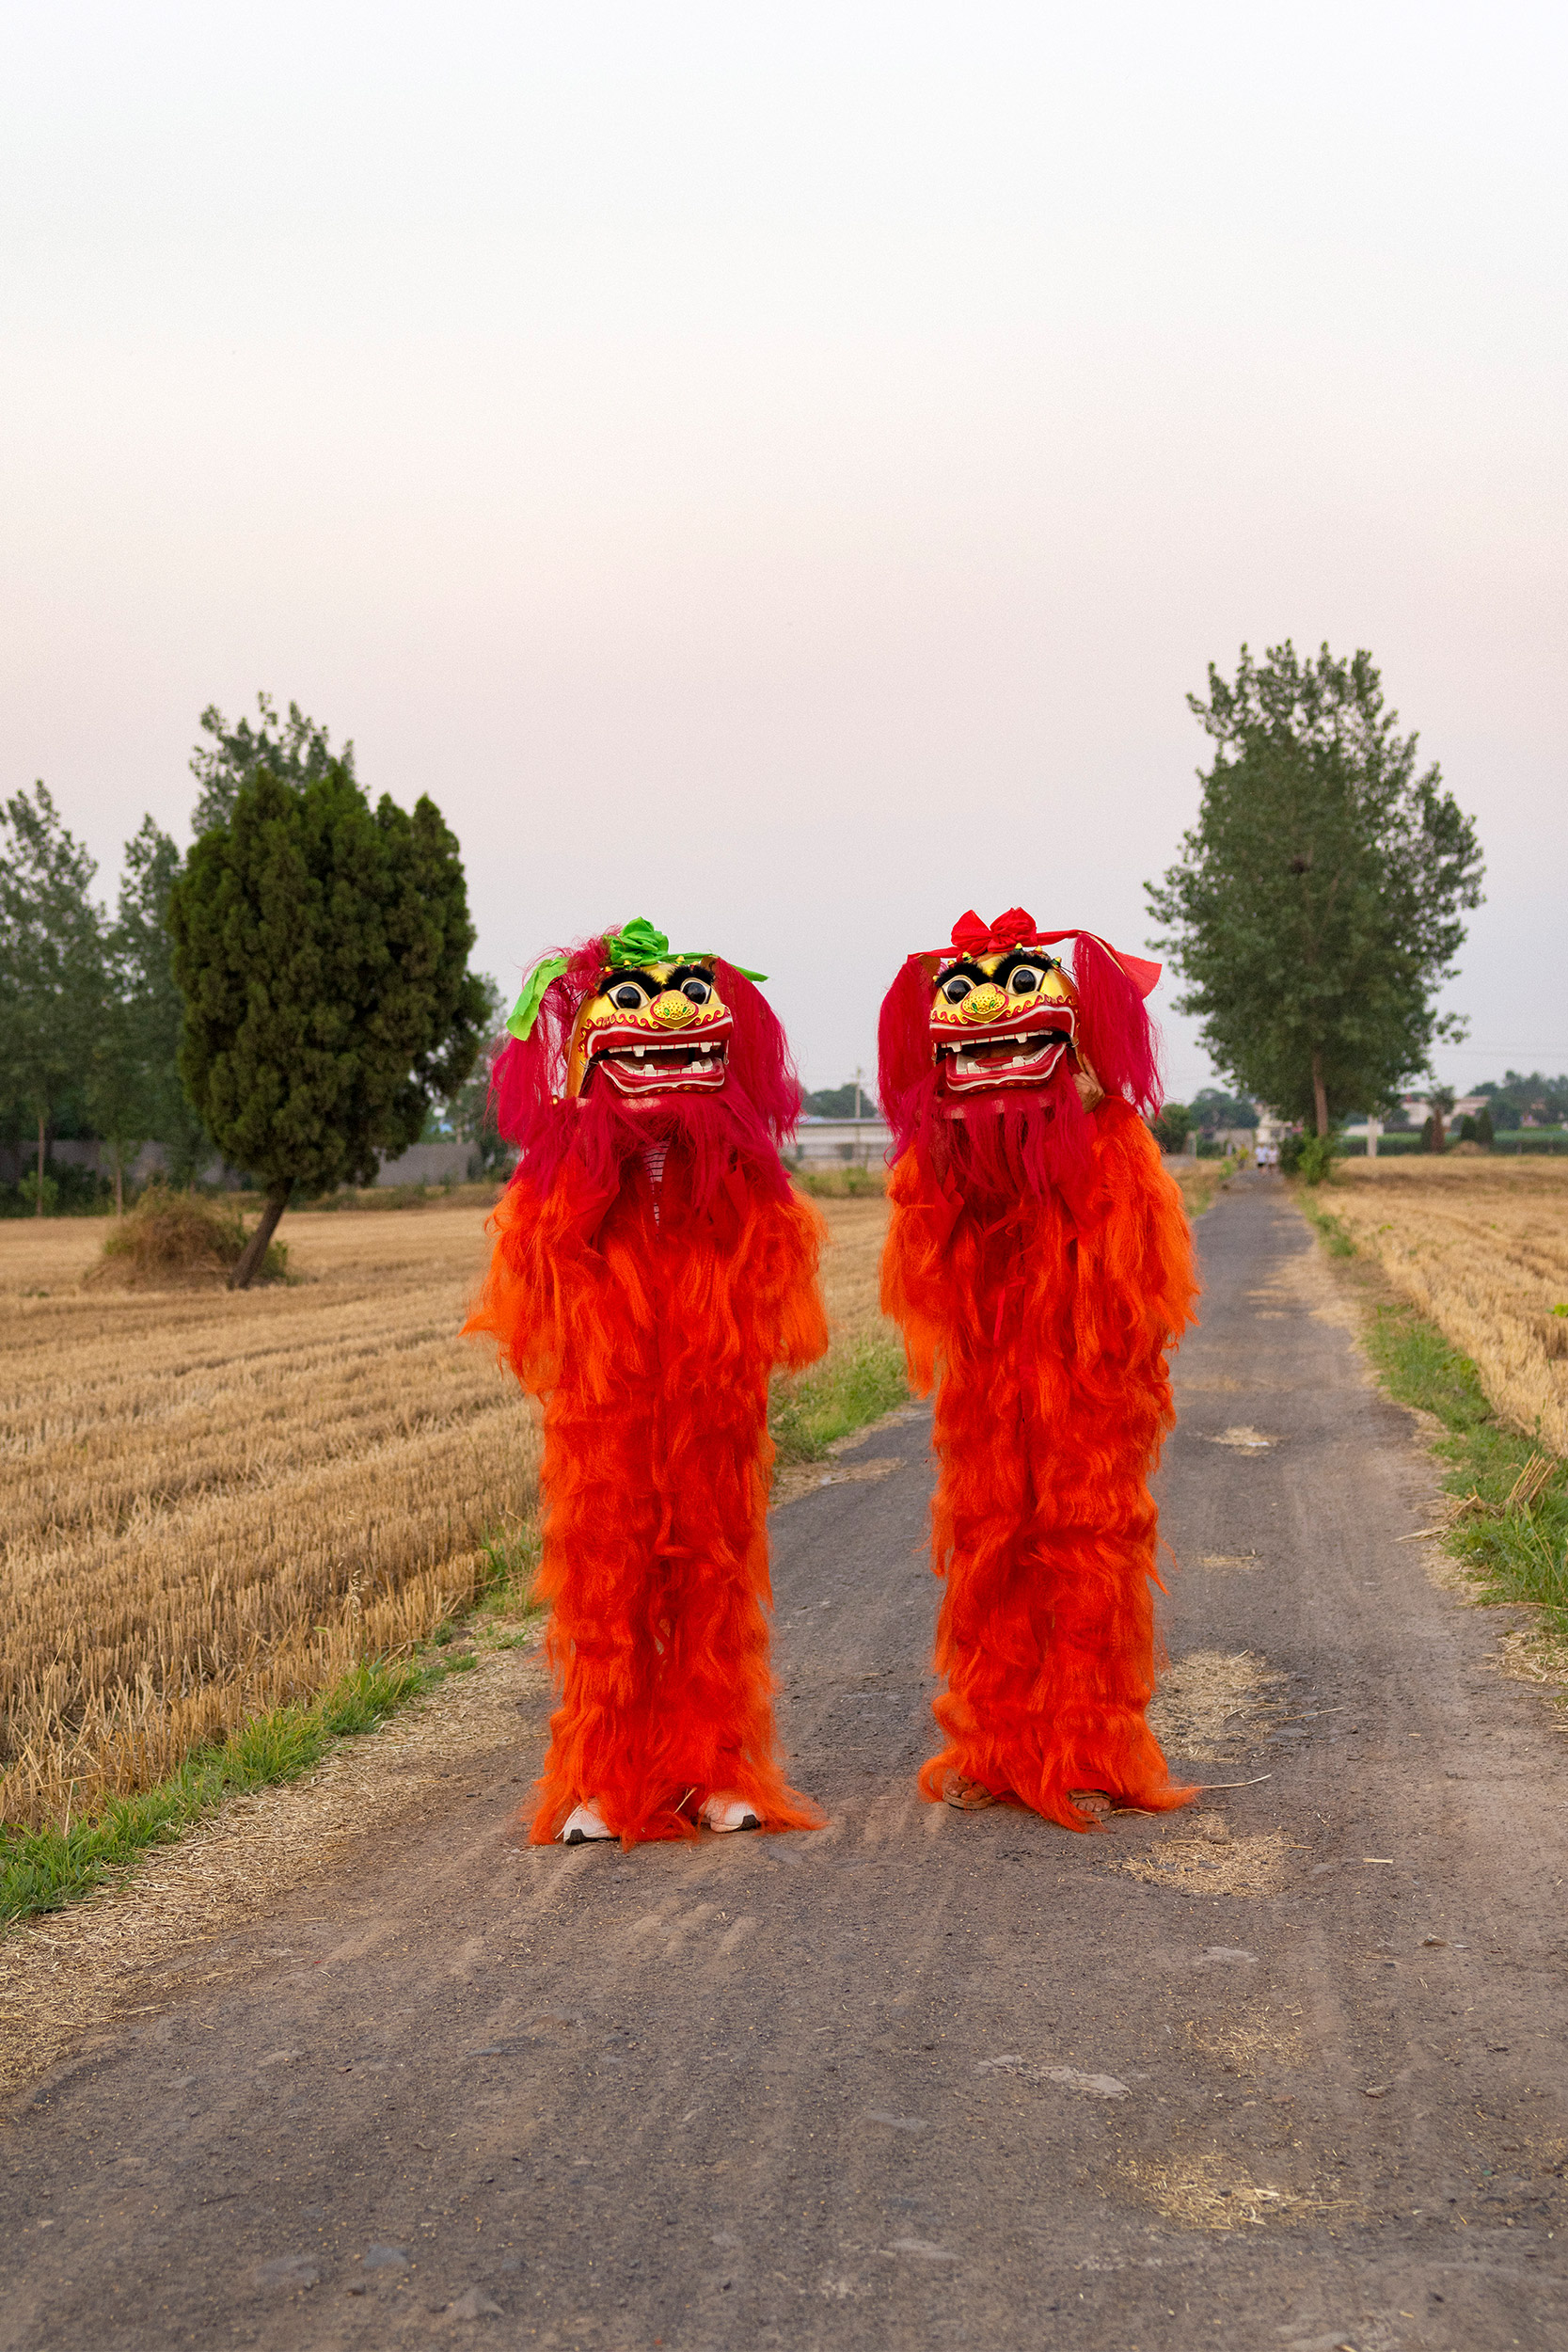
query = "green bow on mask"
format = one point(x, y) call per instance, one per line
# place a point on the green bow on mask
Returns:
point(631, 948)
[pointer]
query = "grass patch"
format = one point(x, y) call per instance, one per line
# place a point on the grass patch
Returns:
point(42, 1869)
point(1517, 1551)
point(1198, 1181)
point(45, 1868)
point(1331, 1228)
point(511, 1562)
point(841, 1183)
point(809, 1410)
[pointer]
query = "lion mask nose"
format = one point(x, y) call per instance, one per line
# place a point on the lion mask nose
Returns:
point(672, 1009)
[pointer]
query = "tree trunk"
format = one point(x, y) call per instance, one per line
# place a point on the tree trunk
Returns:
point(119, 1184)
point(256, 1247)
point(1320, 1093)
point(38, 1210)
point(1439, 1133)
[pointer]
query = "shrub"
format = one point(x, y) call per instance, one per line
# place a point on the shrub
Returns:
point(172, 1238)
point(1316, 1158)
point(1172, 1127)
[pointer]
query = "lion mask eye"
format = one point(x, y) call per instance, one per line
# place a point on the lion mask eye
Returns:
point(698, 990)
point(628, 997)
point(957, 989)
point(1023, 979)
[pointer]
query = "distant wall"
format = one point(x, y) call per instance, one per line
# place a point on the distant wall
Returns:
point(425, 1164)
point(431, 1163)
point(22, 1159)
point(841, 1142)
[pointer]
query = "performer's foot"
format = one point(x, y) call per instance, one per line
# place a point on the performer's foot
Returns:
point(965, 1796)
point(584, 1824)
point(1093, 1802)
point(726, 1813)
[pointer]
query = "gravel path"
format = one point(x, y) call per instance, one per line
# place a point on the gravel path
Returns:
point(1286, 2071)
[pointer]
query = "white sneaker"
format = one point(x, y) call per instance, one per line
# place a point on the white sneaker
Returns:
point(584, 1824)
point(726, 1813)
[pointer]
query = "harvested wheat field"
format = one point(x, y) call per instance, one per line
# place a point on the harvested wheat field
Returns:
point(213, 1503)
point(1480, 1245)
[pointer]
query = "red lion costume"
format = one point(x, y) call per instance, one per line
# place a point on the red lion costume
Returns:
point(1040, 1264)
point(652, 1265)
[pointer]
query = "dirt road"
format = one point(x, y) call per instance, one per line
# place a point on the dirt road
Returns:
point(922, 2078)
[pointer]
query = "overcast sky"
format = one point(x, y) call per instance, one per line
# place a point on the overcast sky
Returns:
point(781, 468)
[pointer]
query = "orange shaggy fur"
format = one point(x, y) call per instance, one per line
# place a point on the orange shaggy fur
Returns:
point(1047, 1333)
point(650, 1343)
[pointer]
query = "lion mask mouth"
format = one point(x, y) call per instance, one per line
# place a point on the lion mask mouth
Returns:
point(660, 1029)
point(1001, 1020)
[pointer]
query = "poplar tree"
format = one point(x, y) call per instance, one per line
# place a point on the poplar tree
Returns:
point(1316, 908)
point(155, 1011)
point(51, 963)
point(322, 949)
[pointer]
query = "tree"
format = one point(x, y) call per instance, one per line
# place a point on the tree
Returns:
point(468, 1116)
point(1434, 1133)
point(143, 950)
point(115, 1089)
point(295, 747)
point(1172, 1126)
point(1537, 1099)
point(854, 1100)
point(1212, 1108)
point(51, 963)
point(1316, 907)
point(322, 951)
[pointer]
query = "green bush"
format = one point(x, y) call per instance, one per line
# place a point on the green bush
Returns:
point(1310, 1157)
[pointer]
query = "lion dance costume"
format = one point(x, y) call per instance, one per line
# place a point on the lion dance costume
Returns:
point(652, 1265)
point(1040, 1266)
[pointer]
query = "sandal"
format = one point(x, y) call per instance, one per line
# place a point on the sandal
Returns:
point(965, 1796)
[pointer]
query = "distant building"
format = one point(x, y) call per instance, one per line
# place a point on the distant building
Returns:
point(841, 1142)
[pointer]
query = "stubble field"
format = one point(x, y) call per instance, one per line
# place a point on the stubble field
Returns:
point(1479, 1247)
point(212, 1503)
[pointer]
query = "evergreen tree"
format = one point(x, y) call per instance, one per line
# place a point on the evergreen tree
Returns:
point(1316, 908)
point(295, 747)
point(51, 978)
point(322, 951)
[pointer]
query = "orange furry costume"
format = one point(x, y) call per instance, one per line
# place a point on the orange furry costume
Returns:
point(1039, 1263)
point(651, 1267)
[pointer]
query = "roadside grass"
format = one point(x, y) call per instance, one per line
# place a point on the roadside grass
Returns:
point(42, 1869)
point(1507, 1520)
point(1330, 1227)
point(1198, 1181)
point(841, 1183)
point(1516, 1550)
point(850, 1386)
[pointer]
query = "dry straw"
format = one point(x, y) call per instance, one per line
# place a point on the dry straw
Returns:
point(213, 1503)
point(1480, 1245)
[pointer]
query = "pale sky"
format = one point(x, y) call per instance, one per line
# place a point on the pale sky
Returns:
point(779, 470)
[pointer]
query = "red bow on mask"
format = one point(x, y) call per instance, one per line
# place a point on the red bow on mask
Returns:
point(1016, 928)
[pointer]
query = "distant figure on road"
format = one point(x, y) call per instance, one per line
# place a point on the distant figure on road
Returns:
point(651, 1267)
point(1039, 1263)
